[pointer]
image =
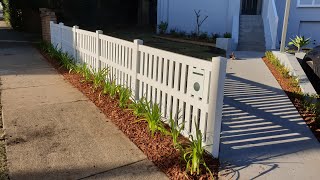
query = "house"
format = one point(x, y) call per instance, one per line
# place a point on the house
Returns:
point(254, 24)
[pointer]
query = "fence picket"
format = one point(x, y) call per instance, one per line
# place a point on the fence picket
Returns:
point(183, 86)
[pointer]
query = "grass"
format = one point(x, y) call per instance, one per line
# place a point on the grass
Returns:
point(147, 35)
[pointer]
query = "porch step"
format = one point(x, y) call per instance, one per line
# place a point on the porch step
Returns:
point(251, 33)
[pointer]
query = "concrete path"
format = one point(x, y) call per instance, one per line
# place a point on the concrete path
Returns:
point(263, 136)
point(54, 132)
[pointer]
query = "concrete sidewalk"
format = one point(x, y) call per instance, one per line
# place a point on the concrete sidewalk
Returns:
point(54, 132)
point(263, 135)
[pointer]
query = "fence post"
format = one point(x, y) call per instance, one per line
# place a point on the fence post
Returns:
point(98, 49)
point(218, 75)
point(136, 68)
point(74, 43)
point(60, 35)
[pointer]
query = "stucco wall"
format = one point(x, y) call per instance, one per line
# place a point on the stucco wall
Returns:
point(297, 14)
point(181, 15)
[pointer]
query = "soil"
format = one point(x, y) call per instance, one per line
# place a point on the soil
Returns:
point(296, 99)
point(159, 149)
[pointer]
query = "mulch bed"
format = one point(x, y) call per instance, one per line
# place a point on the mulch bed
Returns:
point(290, 90)
point(159, 149)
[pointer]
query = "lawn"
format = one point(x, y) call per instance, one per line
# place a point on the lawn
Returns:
point(147, 35)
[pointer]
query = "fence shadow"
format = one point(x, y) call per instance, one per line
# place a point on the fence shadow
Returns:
point(259, 125)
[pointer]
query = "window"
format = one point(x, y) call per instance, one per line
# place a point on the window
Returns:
point(308, 3)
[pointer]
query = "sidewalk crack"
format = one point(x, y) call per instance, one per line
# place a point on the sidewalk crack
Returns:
point(102, 172)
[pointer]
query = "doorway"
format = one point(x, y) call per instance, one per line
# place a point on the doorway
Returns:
point(251, 7)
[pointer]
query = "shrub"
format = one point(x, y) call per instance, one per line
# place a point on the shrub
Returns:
point(111, 88)
point(204, 36)
point(163, 26)
point(227, 35)
point(174, 33)
point(299, 42)
point(182, 34)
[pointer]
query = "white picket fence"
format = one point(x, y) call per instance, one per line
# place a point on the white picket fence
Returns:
point(187, 87)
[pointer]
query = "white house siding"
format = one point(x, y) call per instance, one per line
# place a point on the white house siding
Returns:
point(299, 16)
point(181, 16)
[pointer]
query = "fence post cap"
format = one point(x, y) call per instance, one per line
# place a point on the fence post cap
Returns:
point(138, 41)
point(61, 23)
point(99, 31)
point(76, 27)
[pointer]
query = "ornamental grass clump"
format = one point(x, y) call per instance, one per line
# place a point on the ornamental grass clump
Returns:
point(175, 130)
point(138, 107)
point(153, 117)
point(124, 97)
point(99, 78)
point(194, 154)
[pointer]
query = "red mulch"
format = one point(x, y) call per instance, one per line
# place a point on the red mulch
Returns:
point(158, 149)
point(290, 90)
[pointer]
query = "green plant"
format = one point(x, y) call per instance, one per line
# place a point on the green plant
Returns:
point(227, 35)
point(204, 36)
point(124, 97)
point(153, 117)
point(99, 78)
point(86, 72)
point(278, 65)
point(111, 88)
point(182, 34)
point(163, 26)
point(138, 107)
point(299, 42)
point(193, 35)
point(176, 130)
point(194, 154)
point(174, 33)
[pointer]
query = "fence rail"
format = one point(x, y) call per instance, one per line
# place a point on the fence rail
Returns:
point(183, 86)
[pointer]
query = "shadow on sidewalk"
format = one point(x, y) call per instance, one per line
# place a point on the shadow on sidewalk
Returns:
point(259, 125)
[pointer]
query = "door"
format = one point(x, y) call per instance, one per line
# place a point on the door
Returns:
point(249, 7)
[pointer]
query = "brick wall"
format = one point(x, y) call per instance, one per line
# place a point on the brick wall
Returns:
point(46, 16)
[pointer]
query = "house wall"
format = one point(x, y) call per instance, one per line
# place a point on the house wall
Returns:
point(298, 15)
point(180, 15)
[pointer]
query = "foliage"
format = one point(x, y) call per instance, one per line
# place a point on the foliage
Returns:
point(174, 33)
point(176, 130)
point(194, 154)
point(204, 36)
point(182, 34)
point(279, 66)
point(138, 107)
point(215, 35)
point(227, 35)
point(299, 42)
point(153, 117)
point(199, 21)
point(193, 35)
point(85, 72)
point(111, 88)
point(124, 96)
point(163, 26)
point(99, 78)
point(310, 103)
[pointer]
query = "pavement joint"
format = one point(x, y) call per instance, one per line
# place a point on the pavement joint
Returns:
point(102, 172)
